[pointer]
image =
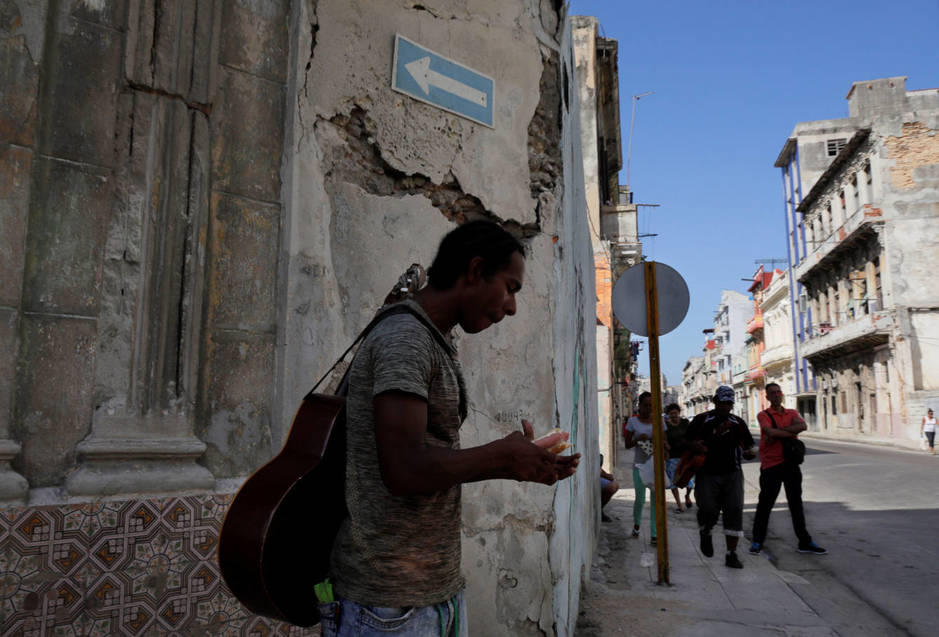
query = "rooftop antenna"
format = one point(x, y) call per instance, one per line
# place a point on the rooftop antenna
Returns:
point(632, 123)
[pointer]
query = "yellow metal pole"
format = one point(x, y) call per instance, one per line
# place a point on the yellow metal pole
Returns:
point(652, 322)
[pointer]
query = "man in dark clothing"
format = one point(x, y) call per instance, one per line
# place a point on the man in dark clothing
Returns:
point(719, 482)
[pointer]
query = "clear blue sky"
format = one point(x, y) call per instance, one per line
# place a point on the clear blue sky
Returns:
point(731, 79)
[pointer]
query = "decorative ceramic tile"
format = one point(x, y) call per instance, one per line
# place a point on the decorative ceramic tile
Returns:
point(132, 567)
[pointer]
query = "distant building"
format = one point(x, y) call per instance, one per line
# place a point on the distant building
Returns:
point(724, 342)
point(693, 399)
point(777, 356)
point(862, 206)
point(755, 377)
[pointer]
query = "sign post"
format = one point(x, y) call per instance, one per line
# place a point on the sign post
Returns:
point(658, 436)
point(651, 299)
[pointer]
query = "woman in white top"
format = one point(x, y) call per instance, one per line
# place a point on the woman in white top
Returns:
point(638, 434)
point(928, 429)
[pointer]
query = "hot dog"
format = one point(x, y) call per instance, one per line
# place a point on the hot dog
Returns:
point(558, 446)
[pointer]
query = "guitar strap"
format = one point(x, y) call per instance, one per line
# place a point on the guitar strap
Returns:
point(398, 308)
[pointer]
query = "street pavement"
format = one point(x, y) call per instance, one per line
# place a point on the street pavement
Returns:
point(876, 512)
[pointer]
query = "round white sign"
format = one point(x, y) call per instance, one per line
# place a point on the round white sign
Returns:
point(629, 299)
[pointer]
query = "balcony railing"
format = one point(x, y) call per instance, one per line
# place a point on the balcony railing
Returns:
point(863, 331)
point(829, 250)
point(755, 323)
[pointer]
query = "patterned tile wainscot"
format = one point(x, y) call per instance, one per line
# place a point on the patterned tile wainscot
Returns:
point(126, 567)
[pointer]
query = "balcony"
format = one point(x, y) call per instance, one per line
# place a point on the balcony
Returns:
point(755, 323)
point(859, 334)
point(778, 355)
point(755, 375)
point(860, 227)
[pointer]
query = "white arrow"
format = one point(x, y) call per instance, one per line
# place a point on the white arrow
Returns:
point(420, 71)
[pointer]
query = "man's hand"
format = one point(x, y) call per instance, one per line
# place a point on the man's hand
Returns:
point(528, 460)
point(749, 454)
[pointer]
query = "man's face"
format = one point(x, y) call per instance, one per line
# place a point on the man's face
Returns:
point(645, 407)
point(774, 395)
point(488, 301)
point(724, 406)
point(674, 416)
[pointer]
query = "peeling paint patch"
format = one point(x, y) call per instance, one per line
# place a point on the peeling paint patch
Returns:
point(917, 146)
point(358, 160)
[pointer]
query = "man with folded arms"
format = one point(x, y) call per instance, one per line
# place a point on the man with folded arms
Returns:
point(777, 424)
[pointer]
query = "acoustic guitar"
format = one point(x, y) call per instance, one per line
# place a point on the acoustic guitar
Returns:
point(278, 533)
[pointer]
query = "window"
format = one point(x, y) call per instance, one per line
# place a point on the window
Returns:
point(834, 146)
point(844, 401)
point(867, 171)
point(878, 291)
point(834, 405)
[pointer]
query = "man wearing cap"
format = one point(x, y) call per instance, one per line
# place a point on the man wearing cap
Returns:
point(725, 439)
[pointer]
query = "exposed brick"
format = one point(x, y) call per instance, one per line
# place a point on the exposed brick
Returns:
point(917, 146)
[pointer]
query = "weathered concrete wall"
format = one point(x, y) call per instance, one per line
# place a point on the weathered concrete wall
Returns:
point(201, 204)
point(376, 173)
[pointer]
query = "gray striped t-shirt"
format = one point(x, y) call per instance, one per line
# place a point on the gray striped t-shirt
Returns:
point(399, 550)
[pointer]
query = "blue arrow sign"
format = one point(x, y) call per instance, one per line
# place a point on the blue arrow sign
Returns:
point(441, 82)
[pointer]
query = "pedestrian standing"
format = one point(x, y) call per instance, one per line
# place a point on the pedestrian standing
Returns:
point(928, 429)
point(726, 440)
point(777, 424)
point(638, 434)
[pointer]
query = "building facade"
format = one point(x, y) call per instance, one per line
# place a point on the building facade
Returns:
point(862, 205)
point(611, 217)
point(755, 343)
point(724, 347)
point(201, 205)
point(777, 356)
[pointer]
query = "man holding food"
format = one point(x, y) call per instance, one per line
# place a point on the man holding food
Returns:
point(395, 567)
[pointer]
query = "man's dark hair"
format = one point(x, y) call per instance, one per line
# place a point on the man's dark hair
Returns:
point(768, 385)
point(645, 394)
point(672, 406)
point(473, 239)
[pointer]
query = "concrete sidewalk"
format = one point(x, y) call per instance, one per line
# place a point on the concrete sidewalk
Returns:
point(704, 598)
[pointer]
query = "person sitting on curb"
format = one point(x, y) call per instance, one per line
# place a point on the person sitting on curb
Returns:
point(725, 438)
point(776, 424)
point(608, 487)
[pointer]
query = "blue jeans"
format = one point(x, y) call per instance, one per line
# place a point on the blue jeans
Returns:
point(344, 618)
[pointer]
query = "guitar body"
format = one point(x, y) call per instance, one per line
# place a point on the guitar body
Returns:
point(271, 545)
point(278, 533)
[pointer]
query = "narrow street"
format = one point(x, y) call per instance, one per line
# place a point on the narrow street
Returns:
point(876, 510)
point(877, 579)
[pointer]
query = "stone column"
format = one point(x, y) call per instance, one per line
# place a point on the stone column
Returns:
point(863, 188)
point(151, 300)
point(838, 214)
point(19, 76)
